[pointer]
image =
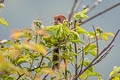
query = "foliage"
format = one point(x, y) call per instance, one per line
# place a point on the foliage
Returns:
point(28, 55)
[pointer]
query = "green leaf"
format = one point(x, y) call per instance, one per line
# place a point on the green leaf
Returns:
point(91, 35)
point(105, 35)
point(74, 36)
point(51, 28)
point(94, 74)
point(99, 78)
point(116, 78)
point(110, 34)
point(2, 21)
point(80, 15)
point(91, 68)
point(85, 11)
point(1, 5)
point(90, 47)
point(93, 53)
point(86, 63)
point(23, 59)
point(80, 30)
point(73, 54)
point(38, 70)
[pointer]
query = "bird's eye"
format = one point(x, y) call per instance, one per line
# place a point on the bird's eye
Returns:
point(58, 19)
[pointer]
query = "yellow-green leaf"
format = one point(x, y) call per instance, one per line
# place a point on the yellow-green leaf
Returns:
point(3, 21)
point(84, 11)
point(81, 30)
point(36, 47)
point(110, 34)
point(116, 78)
point(93, 74)
point(105, 35)
point(1, 5)
point(90, 47)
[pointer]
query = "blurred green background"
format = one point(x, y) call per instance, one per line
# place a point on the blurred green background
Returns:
point(20, 13)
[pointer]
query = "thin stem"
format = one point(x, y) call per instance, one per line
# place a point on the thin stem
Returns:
point(45, 77)
point(71, 13)
point(74, 8)
point(75, 46)
point(100, 13)
point(103, 56)
point(19, 76)
point(65, 63)
point(94, 5)
point(82, 60)
point(96, 40)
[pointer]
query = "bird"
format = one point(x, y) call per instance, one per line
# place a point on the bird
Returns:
point(57, 19)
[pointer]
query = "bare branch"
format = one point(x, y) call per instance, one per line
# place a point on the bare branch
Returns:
point(96, 40)
point(75, 46)
point(94, 5)
point(19, 76)
point(45, 77)
point(74, 9)
point(103, 56)
point(82, 61)
point(100, 13)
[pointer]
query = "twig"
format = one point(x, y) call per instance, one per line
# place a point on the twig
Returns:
point(114, 75)
point(96, 40)
point(100, 13)
point(65, 63)
point(107, 47)
point(94, 5)
point(74, 9)
point(20, 76)
point(103, 56)
point(71, 13)
point(40, 61)
point(45, 76)
point(75, 46)
point(82, 61)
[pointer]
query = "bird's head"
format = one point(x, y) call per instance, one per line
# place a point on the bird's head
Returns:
point(59, 19)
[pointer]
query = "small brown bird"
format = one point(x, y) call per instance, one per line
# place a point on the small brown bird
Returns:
point(57, 19)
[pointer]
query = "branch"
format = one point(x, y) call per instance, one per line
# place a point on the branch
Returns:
point(100, 13)
point(82, 61)
point(19, 76)
point(94, 5)
point(106, 48)
point(103, 56)
point(74, 9)
point(75, 46)
point(41, 61)
point(45, 77)
point(96, 40)
point(113, 76)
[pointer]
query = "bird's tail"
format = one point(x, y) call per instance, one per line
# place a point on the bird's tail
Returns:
point(55, 59)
